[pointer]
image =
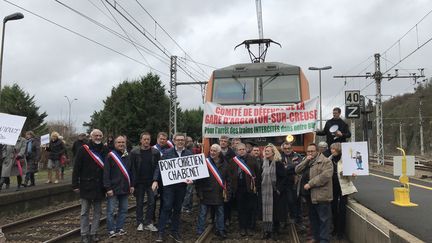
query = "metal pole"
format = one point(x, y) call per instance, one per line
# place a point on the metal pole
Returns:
point(14, 16)
point(1, 54)
point(379, 121)
point(400, 134)
point(320, 99)
point(320, 96)
point(421, 127)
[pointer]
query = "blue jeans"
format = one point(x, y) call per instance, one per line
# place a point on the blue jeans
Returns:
point(172, 203)
point(219, 209)
point(321, 218)
point(140, 191)
point(121, 214)
point(187, 202)
point(85, 216)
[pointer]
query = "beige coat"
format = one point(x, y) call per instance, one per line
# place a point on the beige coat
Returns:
point(9, 153)
point(345, 182)
point(320, 174)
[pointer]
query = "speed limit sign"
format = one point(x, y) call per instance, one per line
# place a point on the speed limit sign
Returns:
point(352, 97)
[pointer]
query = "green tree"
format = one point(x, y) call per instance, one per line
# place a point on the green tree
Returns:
point(133, 107)
point(190, 122)
point(14, 100)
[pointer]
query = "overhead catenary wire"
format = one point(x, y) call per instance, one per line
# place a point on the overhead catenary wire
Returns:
point(147, 35)
point(80, 35)
point(125, 38)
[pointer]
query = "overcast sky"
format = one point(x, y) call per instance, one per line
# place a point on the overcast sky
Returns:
point(51, 62)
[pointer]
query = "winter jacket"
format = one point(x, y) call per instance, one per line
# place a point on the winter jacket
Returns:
point(56, 149)
point(137, 162)
point(113, 177)
point(34, 155)
point(290, 161)
point(320, 178)
point(87, 176)
point(234, 174)
point(12, 154)
point(208, 189)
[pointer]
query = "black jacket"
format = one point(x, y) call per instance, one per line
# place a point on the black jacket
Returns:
point(208, 189)
point(289, 163)
point(87, 176)
point(77, 145)
point(331, 138)
point(56, 149)
point(114, 179)
point(136, 160)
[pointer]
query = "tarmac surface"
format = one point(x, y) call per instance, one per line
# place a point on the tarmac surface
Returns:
point(376, 193)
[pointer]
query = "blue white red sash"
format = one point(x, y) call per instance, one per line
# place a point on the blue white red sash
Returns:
point(243, 166)
point(158, 148)
point(170, 144)
point(96, 157)
point(215, 172)
point(117, 159)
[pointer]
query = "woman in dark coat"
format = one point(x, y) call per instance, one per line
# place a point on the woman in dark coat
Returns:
point(56, 149)
point(32, 155)
point(273, 174)
point(213, 193)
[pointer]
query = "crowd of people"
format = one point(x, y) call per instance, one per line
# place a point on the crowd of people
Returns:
point(271, 184)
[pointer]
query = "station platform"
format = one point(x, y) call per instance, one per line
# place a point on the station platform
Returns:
point(375, 192)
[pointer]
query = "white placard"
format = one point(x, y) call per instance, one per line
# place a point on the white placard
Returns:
point(397, 165)
point(355, 158)
point(10, 128)
point(177, 170)
point(45, 139)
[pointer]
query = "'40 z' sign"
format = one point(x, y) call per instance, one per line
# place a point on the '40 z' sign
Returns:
point(352, 104)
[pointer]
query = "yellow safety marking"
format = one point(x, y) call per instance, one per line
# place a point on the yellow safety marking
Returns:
point(411, 184)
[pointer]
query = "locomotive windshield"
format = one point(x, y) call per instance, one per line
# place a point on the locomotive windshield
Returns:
point(274, 89)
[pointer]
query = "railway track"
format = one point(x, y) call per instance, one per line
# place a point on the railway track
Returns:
point(55, 226)
point(207, 236)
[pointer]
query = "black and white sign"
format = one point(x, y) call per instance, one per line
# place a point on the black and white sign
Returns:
point(177, 170)
point(10, 128)
point(352, 111)
point(352, 97)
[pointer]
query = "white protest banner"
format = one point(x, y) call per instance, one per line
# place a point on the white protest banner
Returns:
point(177, 170)
point(10, 128)
point(45, 139)
point(259, 121)
point(355, 158)
point(410, 165)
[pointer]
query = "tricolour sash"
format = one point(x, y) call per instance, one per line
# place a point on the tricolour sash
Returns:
point(170, 144)
point(97, 159)
point(158, 148)
point(117, 159)
point(243, 166)
point(215, 172)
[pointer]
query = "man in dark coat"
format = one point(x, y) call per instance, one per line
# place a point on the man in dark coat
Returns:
point(335, 129)
point(87, 180)
point(211, 193)
point(144, 161)
point(33, 154)
point(290, 159)
point(119, 183)
point(173, 195)
point(244, 187)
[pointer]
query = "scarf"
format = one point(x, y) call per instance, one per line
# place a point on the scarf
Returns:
point(268, 186)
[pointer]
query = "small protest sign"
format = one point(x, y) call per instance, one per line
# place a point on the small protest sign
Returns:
point(45, 139)
point(10, 128)
point(177, 170)
point(355, 158)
